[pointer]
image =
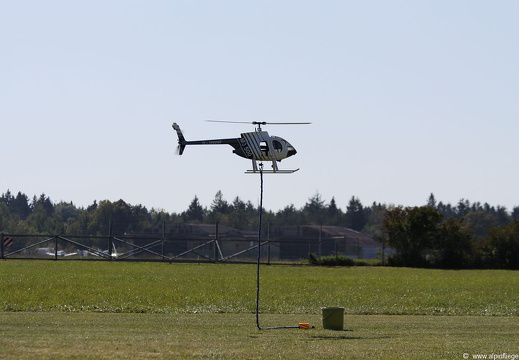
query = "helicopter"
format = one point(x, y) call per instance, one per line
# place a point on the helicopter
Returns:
point(256, 146)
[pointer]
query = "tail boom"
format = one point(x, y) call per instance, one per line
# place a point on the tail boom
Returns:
point(182, 142)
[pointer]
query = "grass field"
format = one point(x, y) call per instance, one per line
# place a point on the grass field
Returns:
point(91, 310)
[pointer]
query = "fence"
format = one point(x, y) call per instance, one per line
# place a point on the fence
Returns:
point(215, 248)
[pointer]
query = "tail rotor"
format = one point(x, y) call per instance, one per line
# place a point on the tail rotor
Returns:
point(181, 140)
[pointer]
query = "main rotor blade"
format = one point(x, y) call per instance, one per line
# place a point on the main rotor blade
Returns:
point(230, 122)
point(285, 123)
point(259, 122)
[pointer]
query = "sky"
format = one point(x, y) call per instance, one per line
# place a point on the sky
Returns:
point(406, 98)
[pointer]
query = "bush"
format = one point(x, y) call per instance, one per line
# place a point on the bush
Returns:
point(313, 259)
point(331, 260)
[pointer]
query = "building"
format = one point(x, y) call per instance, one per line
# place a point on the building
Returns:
point(300, 241)
point(284, 243)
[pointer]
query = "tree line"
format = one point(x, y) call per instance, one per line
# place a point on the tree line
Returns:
point(39, 215)
point(467, 234)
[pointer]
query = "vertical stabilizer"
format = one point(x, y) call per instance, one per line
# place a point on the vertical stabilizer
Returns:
point(181, 139)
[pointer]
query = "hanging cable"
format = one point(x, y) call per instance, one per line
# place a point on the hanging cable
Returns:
point(260, 210)
point(259, 260)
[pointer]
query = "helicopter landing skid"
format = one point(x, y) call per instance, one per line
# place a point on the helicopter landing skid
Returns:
point(274, 170)
point(271, 171)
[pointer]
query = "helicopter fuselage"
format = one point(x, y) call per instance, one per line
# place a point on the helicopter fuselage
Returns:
point(259, 145)
point(256, 146)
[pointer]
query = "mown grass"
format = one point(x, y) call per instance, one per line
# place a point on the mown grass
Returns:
point(116, 310)
point(121, 287)
point(60, 335)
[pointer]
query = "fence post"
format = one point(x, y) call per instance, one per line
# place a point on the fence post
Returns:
point(215, 243)
point(383, 239)
point(268, 243)
point(320, 240)
point(56, 247)
point(163, 237)
point(110, 240)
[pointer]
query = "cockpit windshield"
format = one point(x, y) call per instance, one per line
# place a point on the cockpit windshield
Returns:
point(290, 149)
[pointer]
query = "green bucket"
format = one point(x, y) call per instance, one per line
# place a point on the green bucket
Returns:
point(333, 318)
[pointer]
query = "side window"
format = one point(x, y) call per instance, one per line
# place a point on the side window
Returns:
point(278, 147)
point(263, 146)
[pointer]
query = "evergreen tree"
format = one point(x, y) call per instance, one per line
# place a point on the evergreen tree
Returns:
point(515, 213)
point(7, 198)
point(355, 216)
point(220, 210)
point(502, 216)
point(7, 223)
point(314, 210)
point(289, 216)
point(195, 212)
point(93, 207)
point(333, 214)
point(463, 208)
point(241, 216)
point(375, 221)
point(20, 206)
point(446, 210)
point(238, 204)
point(44, 202)
point(158, 217)
point(431, 201)
point(219, 205)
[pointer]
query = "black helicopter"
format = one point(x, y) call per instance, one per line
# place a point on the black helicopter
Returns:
point(256, 146)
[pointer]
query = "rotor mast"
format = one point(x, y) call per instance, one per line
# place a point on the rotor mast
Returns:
point(259, 123)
